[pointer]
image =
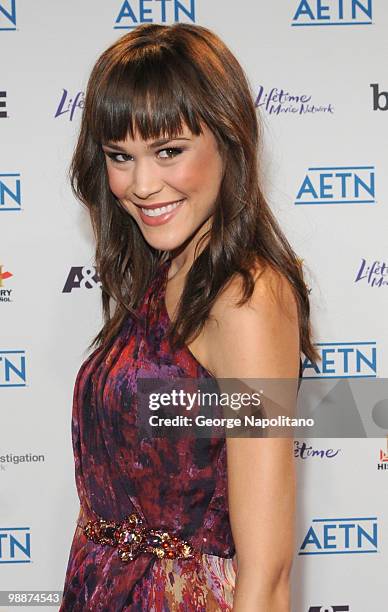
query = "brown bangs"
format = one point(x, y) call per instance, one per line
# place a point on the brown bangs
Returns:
point(150, 95)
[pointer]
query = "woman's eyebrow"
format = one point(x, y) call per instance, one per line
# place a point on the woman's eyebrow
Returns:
point(152, 145)
point(114, 146)
point(163, 141)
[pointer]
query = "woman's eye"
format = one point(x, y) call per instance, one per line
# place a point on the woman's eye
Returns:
point(169, 153)
point(116, 157)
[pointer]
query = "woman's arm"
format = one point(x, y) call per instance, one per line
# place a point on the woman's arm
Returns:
point(259, 340)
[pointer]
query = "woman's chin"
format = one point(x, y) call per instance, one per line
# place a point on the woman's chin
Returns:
point(163, 243)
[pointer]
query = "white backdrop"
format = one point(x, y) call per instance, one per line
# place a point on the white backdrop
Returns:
point(318, 69)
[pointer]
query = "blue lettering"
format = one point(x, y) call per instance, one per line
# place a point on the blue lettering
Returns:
point(14, 543)
point(307, 188)
point(343, 176)
point(367, 10)
point(347, 527)
point(189, 12)
point(10, 368)
point(311, 538)
point(345, 352)
point(371, 538)
point(2, 536)
point(324, 187)
point(126, 11)
point(327, 537)
point(304, 9)
point(11, 14)
point(163, 9)
point(320, 10)
point(370, 189)
point(361, 357)
point(326, 362)
point(307, 364)
point(145, 11)
point(15, 195)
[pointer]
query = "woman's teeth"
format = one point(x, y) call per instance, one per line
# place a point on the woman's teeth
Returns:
point(155, 212)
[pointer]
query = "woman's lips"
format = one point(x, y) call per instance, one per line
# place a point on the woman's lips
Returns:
point(158, 217)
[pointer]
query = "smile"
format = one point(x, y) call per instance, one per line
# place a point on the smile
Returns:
point(156, 212)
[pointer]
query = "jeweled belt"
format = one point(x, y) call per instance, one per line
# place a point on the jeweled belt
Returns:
point(131, 539)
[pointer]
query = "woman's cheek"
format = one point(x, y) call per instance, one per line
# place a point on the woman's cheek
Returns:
point(117, 182)
point(185, 178)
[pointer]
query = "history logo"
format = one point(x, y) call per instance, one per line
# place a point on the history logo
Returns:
point(5, 292)
point(382, 463)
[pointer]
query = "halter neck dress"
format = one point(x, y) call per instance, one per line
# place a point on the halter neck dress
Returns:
point(180, 485)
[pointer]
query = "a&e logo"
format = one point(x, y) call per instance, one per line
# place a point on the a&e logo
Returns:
point(134, 12)
point(81, 278)
point(329, 609)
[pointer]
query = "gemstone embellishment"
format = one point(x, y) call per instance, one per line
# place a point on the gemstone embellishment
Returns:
point(131, 539)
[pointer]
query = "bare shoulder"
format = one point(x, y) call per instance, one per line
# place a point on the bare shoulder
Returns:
point(271, 288)
point(259, 338)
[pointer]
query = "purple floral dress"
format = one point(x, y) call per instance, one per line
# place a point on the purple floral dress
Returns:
point(180, 485)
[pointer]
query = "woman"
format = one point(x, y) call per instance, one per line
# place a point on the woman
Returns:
point(204, 284)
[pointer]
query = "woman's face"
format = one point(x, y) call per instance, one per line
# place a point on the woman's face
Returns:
point(169, 187)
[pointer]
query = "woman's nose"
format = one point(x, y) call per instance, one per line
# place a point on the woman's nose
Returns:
point(146, 180)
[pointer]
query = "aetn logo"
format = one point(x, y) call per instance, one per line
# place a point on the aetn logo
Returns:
point(10, 192)
point(15, 545)
point(134, 12)
point(333, 13)
point(338, 185)
point(7, 15)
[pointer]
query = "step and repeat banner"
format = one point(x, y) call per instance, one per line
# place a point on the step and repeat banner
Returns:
point(318, 70)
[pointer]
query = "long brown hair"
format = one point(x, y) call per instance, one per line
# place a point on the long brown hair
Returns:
point(151, 81)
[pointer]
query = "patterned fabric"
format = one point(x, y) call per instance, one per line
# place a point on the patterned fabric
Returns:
point(180, 485)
